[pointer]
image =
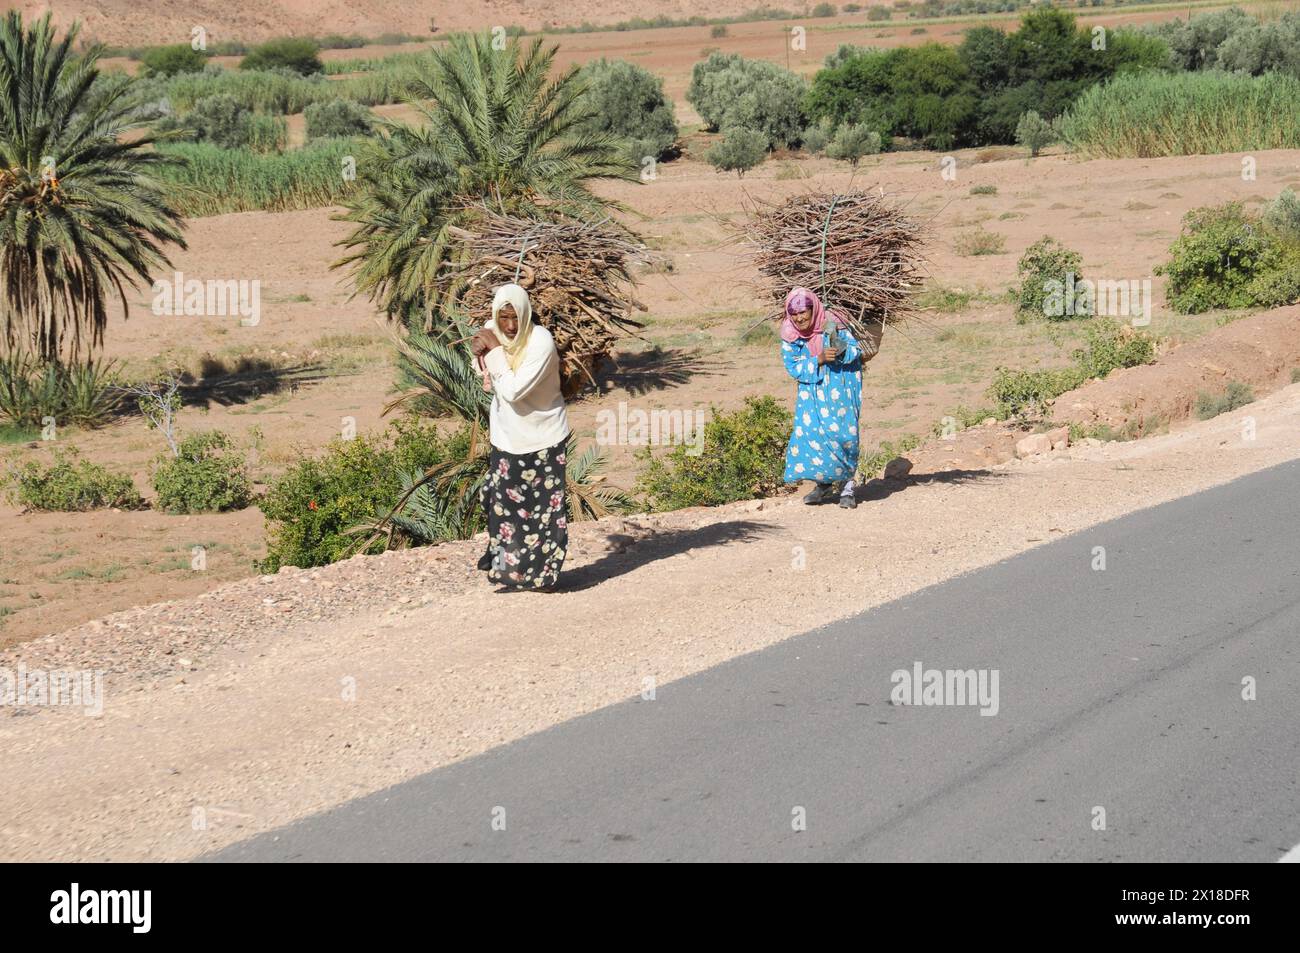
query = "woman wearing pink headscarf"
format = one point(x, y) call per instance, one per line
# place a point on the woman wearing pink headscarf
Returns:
point(826, 362)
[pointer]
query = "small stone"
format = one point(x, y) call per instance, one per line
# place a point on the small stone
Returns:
point(898, 468)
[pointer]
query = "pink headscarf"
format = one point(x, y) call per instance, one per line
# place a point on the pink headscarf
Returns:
point(801, 299)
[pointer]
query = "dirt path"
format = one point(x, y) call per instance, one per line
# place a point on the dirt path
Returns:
point(270, 698)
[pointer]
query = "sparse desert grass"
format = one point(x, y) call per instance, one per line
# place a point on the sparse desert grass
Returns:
point(980, 241)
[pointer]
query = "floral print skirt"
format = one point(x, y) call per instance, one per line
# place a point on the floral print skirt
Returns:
point(528, 534)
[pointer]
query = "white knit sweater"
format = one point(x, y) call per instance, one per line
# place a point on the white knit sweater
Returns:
point(527, 407)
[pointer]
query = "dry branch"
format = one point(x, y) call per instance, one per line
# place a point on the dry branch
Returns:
point(858, 251)
point(578, 276)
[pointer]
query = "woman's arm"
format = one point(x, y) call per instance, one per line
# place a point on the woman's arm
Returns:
point(852, 351)
point(799, 363)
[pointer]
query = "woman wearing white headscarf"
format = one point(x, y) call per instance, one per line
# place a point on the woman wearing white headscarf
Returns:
point(524, 494)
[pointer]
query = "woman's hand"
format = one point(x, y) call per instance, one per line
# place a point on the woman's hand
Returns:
point(830, 355)
point(482, 342)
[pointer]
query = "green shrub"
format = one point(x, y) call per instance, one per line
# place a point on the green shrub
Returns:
point(1027, 394)
point(70, 484)
point(294, 54)
point(1236, 395)
point(729, 91)
point(340, 118)
point(208, 476)
point(816, 136)
point(227, 123)
point(1112, 345)
point(314, 503)
point(628, 101)
point(824, 10)
point(170, 60)
point(1045, 264)
point(878, 13)
point(983, 190)
point(852, 141)
point(738, 152)
point(1224, 259)
point(1035, 133)
point(743, 457)
point(718, 31)
point(1283, 215)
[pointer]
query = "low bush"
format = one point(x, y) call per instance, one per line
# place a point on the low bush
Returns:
point(1226, 257)
point(980, 241)
point(1237, 394)
point(816, 136)
point(1027, 394)
point(227, 123)
point(743, 457)
point(1044, 265)
point(852, 141)
point(1035, 133)
point(312, 505)
point(740, 151)
point(170, 60)
point(71, 484)
point(1112, 345)
point(208, 475)
point(295, 54)
point(339, 118)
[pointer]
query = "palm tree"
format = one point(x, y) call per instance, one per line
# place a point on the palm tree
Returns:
point(498, 130)
point(81, 216)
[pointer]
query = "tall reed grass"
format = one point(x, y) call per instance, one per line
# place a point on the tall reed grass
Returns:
point(1145, 115)
point(282, 93)
point(213, 181)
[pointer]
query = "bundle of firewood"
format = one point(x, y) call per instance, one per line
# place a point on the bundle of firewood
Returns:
point(578, 277)
point(857, 250)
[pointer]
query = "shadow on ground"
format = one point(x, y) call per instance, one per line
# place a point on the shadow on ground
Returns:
point(882, 489)
point(654, 369)
point(631, 551)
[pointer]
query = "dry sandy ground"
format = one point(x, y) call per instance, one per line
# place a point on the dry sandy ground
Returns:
point(271, 698)
point(60, 569)
point(129, 23)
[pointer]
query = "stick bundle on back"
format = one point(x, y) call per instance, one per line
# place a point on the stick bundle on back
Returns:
point(577, 276)
point(856, 250)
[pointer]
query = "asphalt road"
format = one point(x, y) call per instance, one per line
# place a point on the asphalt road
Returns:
point(1119, 689)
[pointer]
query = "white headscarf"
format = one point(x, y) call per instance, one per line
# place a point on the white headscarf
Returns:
point(517, 298)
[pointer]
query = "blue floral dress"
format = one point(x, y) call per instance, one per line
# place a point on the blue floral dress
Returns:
point(824, 444)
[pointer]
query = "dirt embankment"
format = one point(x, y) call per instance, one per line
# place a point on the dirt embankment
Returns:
point(1261, 351)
